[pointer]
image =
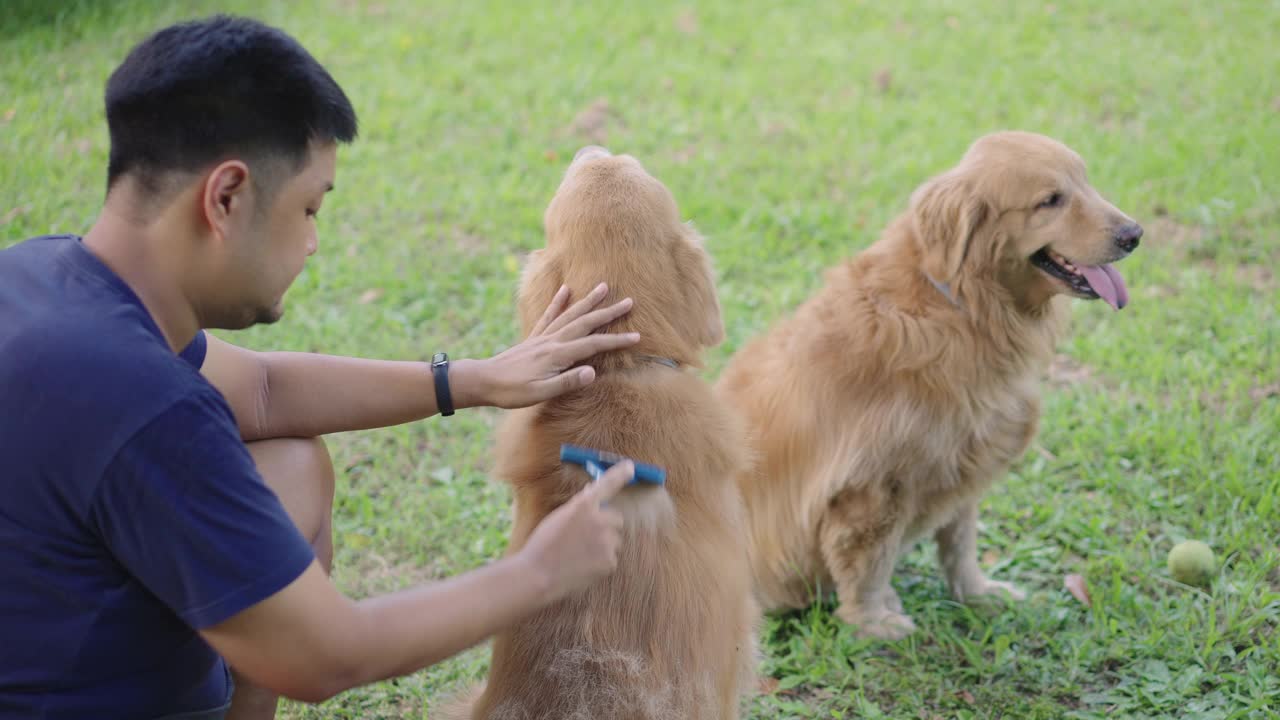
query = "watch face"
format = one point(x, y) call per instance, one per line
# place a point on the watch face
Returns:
point(439, 358)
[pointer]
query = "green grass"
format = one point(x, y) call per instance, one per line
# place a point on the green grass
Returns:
point(791, 136)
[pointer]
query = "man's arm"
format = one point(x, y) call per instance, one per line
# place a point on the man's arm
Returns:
point(290, 394)
point(309, 642)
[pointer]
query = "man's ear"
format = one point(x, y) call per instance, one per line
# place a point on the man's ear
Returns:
point(226, 192)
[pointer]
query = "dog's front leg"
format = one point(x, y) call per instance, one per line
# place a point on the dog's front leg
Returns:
point(958, 556)
point(860, 534)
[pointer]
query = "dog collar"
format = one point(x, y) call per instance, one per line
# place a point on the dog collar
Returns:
point(661, 361)
point(944, 288)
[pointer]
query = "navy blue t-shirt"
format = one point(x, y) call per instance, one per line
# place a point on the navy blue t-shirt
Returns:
point(131, 514)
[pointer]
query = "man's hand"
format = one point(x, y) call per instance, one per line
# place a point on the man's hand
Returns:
point(538, 369)
point(578, 542)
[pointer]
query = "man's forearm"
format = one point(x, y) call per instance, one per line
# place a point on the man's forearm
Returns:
point(415, 628)
point(309, 394)
point(309, 642)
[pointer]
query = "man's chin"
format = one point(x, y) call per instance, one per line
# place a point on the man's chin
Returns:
point(267, 316)
point(245, 318)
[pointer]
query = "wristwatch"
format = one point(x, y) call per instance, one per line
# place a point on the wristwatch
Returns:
point(440, 370)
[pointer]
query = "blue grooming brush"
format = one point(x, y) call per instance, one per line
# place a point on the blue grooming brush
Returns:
point(597, 461)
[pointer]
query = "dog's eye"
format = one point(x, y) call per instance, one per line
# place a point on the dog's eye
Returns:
point(1052, 201)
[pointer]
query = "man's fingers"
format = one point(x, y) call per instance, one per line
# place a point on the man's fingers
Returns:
point(611, 482)
point(552, 312)
point(566, 381)
point(579, 308)
point(576, 351)
point(589, 322)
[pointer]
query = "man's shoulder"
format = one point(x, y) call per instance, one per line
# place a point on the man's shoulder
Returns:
point(31, 256)
point(35, 244)
point(70, 323)
point(93, 375)
point(82, 343)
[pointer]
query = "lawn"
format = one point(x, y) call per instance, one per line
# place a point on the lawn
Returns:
point(790, 136)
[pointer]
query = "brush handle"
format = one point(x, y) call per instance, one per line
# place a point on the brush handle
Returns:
point(597, 461)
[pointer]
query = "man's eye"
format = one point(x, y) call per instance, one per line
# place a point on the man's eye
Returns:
point(312, 213)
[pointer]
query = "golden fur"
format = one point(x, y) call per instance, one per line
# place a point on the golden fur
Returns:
point(670, 634)
point(885, 406)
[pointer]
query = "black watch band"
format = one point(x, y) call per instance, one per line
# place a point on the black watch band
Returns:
point(440, 370)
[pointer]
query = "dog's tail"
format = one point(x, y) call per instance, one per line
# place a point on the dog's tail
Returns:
point(460, 707)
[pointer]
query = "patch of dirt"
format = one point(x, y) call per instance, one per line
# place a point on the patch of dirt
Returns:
point(1065, 371)
point(14, 214)
point(884, 80)
point(470, 243)
point(1193, 243)
point(774, 128)
point(372, 574)
point(1258, 277)
point(685, 154)
point(1213, 400)
point(1168, 232)
point(1261, 392)
point(594, 122)
point(687, 22)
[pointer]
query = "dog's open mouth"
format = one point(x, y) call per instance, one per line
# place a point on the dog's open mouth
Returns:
point(1090, 281)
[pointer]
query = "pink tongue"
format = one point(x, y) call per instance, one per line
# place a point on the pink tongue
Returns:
point(1107, 283)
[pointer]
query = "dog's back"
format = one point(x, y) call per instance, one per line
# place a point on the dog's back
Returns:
point(668, 634)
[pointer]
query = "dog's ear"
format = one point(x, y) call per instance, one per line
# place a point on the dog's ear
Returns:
point(701, 322)
point(947, 211)
point(541, 279)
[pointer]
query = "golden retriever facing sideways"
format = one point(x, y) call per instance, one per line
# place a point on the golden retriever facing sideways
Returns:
point(893, 398)
point(671, 632)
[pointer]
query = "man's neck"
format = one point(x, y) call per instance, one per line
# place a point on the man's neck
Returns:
point(151, 261)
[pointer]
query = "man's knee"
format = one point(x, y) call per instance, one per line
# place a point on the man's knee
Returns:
point(300, 472)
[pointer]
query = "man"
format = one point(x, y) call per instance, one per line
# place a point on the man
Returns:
point(152, 533)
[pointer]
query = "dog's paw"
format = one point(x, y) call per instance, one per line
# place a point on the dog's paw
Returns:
point(881, 624)
point(987, 589)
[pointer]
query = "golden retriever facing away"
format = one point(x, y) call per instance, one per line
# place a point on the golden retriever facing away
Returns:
point(671, 633)
point(891, 400)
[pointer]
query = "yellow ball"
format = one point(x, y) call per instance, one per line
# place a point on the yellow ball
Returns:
point(1192, 563)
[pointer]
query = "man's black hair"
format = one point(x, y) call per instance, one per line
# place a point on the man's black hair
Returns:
point(200, 91)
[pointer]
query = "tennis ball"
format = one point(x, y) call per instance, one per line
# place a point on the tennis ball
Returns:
point(1192, 563)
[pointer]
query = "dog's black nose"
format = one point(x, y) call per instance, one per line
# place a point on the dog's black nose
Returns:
point(1127, 236)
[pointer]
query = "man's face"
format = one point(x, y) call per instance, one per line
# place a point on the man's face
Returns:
point(282, 235)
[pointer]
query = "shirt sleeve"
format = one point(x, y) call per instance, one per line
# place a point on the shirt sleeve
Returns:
point(195, 350)
point(183, 509)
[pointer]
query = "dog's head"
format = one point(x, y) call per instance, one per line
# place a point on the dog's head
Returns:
point(611, 221)
point(1019, 210)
